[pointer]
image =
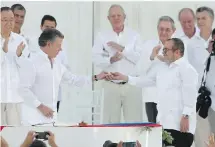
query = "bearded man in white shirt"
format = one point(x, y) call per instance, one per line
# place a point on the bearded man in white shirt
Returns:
point(40, 78)
point(166, 28)
point(176, 82)
point(119, 50)
point(13, 50)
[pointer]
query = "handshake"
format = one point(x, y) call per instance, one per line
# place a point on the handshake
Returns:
point(111, 76)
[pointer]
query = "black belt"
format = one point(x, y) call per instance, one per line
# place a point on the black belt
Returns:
point(120, 83)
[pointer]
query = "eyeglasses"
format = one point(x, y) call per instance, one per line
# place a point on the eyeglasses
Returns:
point(166, 50)
point(167, 30)
point(4, 20)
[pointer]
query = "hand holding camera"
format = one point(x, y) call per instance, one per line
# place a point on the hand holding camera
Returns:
point(211, 47)
point(42, 135)
point(109, 143)
point(35, 137)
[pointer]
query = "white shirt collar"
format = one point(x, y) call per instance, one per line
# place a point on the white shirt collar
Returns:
point(197, 33)
point(123, 31)
point(177, 62)
point(42, 53)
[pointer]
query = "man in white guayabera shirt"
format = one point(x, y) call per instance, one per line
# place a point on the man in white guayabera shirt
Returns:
point(19, 12)
point(49, 22)
point(118, 50)
point(166, 28)
point(176, 81)
point(40, 78)
point(13, 50)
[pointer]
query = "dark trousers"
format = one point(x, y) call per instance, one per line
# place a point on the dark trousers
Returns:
point(58, 105)
point(180, 139)
point(151, 111)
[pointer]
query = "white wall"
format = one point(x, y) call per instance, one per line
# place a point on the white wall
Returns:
point(80, 21)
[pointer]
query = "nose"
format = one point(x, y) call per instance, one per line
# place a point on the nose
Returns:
point(19, 18)
point(116, 17)
point(200, 21)
point(186, 25)
point(9, 23)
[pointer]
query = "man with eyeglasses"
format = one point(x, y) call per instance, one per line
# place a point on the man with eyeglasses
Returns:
point(166, 28)
point(13, 50)
point(176, 82)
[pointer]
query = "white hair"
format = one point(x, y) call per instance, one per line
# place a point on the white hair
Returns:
point(116, 5)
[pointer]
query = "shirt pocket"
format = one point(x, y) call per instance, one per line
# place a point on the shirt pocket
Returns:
point(174, 80)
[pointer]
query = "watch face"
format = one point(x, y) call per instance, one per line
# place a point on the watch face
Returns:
point(186, 116)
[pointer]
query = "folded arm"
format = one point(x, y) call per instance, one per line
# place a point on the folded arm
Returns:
point(133, 50)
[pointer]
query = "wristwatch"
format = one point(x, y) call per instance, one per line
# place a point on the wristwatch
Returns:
point(186, 116)
point(95, 77)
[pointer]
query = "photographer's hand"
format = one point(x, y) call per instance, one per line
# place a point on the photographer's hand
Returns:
point(120, 144)
point(51, 139)
point(29, 139)
point(211, 141)
point(4, 142)
point(210, 45)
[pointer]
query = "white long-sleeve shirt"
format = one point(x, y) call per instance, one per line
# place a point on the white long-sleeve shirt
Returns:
point(197, 56)
point(176, 91)
point(39, 83)
point(210, 81)
point(102, 53)
point(180, 34)
point(10, 64)
point(196, 51)
point(148, 93)
point(61, 57)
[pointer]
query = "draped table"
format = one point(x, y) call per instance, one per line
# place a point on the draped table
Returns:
point(148, 134)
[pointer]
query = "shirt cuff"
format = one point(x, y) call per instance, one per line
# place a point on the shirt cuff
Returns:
point(187, 111)
point(37, 103)
point(132, 80)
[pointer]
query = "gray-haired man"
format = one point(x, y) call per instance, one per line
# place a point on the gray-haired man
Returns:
point(165, 28)
point(205, 18)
